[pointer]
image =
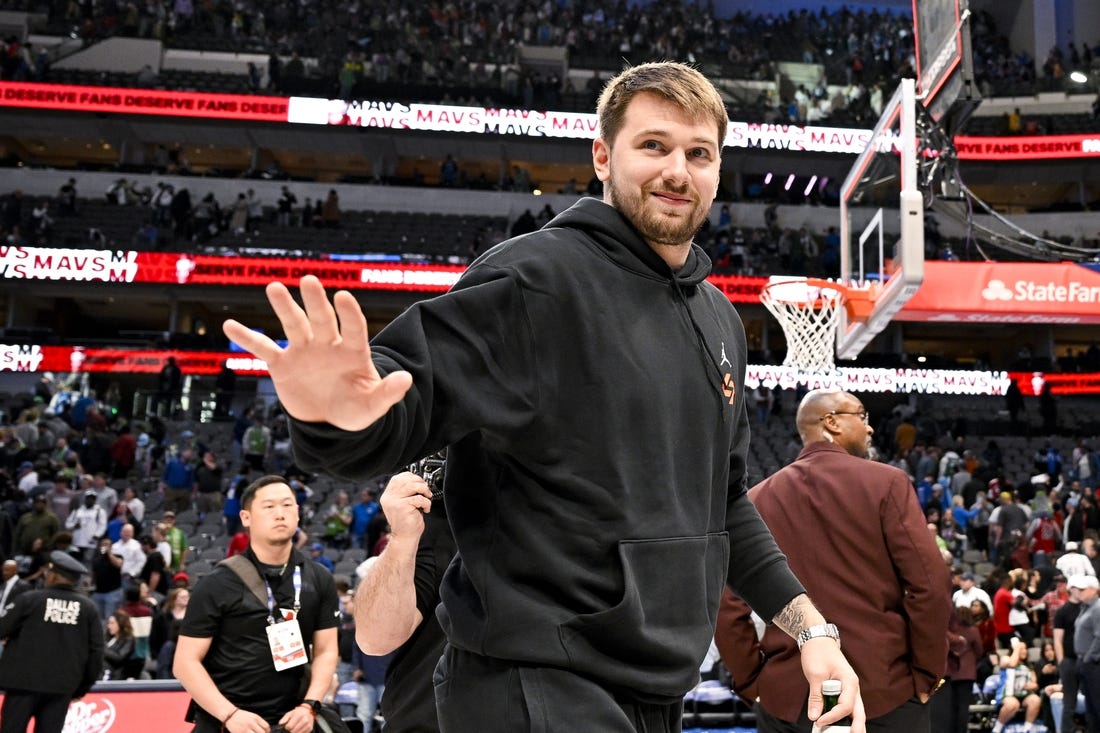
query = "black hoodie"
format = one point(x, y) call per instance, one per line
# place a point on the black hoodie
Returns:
point(593, 403)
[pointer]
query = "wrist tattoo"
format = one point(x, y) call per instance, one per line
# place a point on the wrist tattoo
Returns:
point(792, 617)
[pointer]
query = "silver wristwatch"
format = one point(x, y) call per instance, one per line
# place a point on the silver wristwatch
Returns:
point(813, 632)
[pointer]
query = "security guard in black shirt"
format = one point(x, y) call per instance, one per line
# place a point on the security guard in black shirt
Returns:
point(53, 652)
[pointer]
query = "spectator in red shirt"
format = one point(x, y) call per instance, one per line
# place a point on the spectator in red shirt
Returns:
point(238, 544)
point(1053, 600)
point(133, 605)
point(122, 452)
point(1043, 534)
point(1002, 604)
point(983, 622)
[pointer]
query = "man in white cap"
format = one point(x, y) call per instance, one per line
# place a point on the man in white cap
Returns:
point(1086, 643)
point(44, 388)
point(969, 592)
point(1063, 624)
point(1073, 562)
point(26, 477)
point(87, 523)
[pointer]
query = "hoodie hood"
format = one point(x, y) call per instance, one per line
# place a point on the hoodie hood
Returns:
point(622, 243)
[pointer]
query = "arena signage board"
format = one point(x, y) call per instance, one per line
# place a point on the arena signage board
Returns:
point(81, 359)
point(109, 708)
point(179, 268)
point(160, 102)
point(1031, 147)
point(1006, 292)
point(963, 292)
point(488, 120)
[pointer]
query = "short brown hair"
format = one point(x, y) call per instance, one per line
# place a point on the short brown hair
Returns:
point(678, 83)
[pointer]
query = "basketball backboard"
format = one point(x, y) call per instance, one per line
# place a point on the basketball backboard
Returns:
point(945, 68)
point(882, 222)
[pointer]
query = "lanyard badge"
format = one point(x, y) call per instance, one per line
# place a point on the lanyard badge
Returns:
point(288, 649)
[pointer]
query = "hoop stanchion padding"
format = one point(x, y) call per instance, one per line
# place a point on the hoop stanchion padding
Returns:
point(859, 302)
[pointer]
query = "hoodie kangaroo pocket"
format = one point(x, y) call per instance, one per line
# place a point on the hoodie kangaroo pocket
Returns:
point(657, 634)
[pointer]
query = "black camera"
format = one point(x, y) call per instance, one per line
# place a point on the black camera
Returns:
point(432, 469)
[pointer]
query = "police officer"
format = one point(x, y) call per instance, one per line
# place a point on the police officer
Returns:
point(53, 652)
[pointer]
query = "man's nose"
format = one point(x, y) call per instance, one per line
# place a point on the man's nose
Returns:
point(676, 169)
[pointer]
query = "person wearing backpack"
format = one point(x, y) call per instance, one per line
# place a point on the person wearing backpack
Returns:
point(244, 669)
point(256, 442)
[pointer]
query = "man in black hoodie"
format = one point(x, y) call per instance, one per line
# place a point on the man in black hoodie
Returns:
point(588, 382)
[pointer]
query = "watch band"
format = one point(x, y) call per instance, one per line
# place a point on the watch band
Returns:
point(813, 632)
point(313, 705)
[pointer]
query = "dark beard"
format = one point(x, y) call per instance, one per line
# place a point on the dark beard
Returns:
point(653, 229)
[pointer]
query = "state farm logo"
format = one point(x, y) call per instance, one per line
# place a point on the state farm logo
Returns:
point(1029, 291)
point(90, 715)
point(996, 290)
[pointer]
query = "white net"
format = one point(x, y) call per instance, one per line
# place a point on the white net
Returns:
point(809, 314)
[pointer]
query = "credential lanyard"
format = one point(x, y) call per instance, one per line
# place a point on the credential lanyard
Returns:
point(297, 596)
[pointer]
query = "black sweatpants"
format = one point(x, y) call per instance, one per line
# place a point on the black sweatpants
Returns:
point(476, 694)
point(48, 711)
point(1067, 670)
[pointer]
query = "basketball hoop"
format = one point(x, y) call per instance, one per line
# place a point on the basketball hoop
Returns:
point(809, 310)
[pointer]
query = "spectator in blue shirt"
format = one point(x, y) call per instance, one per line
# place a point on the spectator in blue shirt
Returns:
point(232, 507)
point(179, 481)
point(361, 514)
point(317, 552)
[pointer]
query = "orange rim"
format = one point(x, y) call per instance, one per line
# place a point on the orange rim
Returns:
point(859, 302)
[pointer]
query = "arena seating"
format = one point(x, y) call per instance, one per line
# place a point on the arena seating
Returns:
point(432, 236)
point(433, 62)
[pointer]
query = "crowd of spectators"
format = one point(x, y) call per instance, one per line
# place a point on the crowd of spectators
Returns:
point(410, 43)
point(146, 214)
point(149, 503)
point(1000, 535)
point(466, 52)
point(166, 217)
point(1015, 547)
point(169, 216)
point(81, 475)
point(80, 480)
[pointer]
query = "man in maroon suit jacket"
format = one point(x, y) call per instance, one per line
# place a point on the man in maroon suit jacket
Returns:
point(856, 537)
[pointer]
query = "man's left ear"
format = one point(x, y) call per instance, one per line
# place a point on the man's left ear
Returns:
point(601, 154)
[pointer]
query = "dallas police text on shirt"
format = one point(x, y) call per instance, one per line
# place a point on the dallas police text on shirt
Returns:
point(62, 612)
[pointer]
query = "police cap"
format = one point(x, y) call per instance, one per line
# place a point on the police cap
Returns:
point(65, 564)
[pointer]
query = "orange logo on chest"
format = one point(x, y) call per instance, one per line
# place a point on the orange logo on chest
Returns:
point(728, 389)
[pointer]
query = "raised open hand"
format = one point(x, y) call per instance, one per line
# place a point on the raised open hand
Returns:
point(325, 374)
